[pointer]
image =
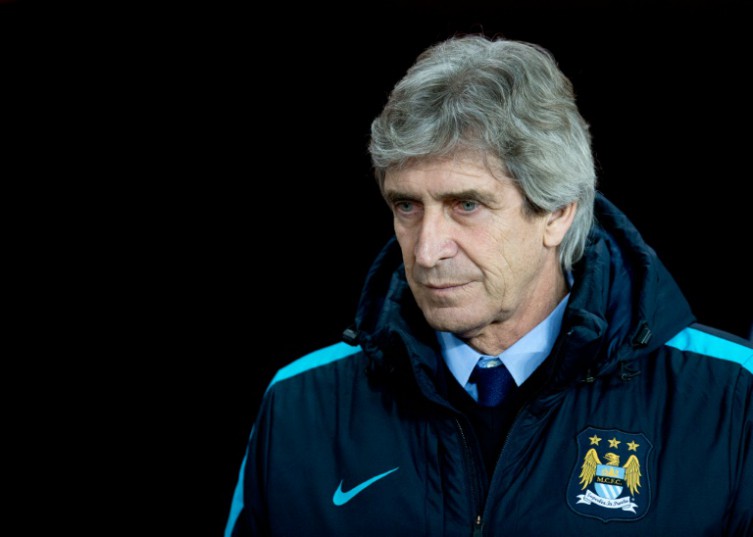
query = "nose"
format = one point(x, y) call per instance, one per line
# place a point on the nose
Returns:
point(435, 241)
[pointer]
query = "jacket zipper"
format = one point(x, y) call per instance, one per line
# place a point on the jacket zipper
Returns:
point(479, 526)
point(475, 492)
point(478, 523)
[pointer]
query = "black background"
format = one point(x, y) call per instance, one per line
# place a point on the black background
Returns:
point(292, 218)
point(664, 90)
point(242, 215)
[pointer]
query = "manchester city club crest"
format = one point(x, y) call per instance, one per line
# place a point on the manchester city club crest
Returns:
point(610, 477)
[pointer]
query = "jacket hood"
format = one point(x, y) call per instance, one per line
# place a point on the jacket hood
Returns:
point(623, 302)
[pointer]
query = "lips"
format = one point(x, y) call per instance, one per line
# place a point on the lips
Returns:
point(443, 285)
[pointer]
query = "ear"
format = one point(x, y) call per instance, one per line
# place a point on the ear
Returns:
point(557, 224)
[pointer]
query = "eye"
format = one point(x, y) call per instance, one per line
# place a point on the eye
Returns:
point(468, 206)
point(404, 206)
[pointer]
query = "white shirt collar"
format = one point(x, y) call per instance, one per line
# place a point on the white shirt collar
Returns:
point(521, 359)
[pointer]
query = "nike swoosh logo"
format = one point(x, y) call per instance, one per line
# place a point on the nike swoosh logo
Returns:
point(341, 498)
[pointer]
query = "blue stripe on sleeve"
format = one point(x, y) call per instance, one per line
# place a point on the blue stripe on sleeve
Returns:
point(237, 506)
point(694, 340)
point(323, 356)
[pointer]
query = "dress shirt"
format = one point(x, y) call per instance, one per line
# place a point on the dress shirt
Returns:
point(521, 359)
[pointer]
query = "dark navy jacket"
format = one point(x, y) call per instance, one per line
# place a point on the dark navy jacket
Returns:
point(640, 422)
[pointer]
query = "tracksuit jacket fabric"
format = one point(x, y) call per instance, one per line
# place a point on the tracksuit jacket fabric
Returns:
point(639, 422)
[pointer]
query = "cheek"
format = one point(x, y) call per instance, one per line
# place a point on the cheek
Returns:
point(486, 254)
point(406, 242)
point(526, 253)
point(489, 248)
point(526, 236)
point(501, 254)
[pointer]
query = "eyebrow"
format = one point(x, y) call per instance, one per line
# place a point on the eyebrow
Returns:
point(394, 196)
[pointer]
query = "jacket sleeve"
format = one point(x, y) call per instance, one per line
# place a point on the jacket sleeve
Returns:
point(247, 515)
point(741, 507)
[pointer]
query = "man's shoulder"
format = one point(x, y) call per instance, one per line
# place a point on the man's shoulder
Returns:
point(314, 361)
point(714, 344)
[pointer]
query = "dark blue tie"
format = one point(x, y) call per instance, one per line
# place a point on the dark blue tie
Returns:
point(493, 382)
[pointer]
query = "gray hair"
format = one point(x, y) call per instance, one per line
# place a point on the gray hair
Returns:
point(506, 99)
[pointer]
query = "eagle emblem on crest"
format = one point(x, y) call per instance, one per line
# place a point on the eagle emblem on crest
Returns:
point(603, 487)
point(630, 474)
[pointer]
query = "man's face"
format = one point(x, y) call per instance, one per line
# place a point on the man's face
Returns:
point(473, 255)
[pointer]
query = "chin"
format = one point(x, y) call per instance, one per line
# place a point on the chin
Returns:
point(445, 320)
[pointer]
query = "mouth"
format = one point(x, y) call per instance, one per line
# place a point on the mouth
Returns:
point(439, 287)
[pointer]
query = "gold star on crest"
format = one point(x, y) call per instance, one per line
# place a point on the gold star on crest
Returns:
point(594, 440)
point(614, 442)
point(632, 446)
